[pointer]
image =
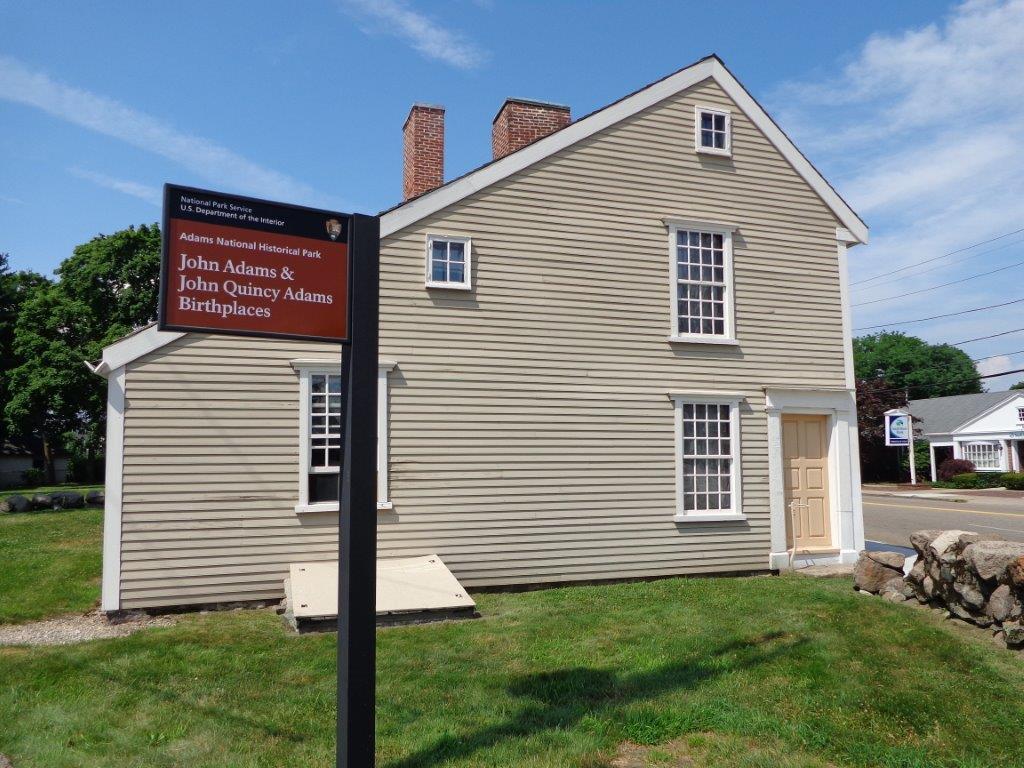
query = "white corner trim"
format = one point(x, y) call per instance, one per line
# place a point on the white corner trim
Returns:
point(844, 298)
point(110, 599)
point(431, 202)
point(132, 347)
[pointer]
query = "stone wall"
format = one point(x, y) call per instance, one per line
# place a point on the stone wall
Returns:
point(978, 578)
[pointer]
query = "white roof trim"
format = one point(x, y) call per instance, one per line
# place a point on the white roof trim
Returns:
point(431, 202)
point(132, 347)
point(1011, 395)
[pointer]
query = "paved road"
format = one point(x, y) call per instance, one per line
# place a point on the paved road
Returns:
point(891, 519)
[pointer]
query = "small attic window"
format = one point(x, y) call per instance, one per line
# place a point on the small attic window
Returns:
point(449, 262)
point(713, 129)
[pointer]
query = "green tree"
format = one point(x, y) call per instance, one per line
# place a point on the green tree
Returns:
point(1018, 385)
point(918, 368)
point(14, 287)
point(106, 288)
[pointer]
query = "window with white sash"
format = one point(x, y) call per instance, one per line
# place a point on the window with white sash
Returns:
point(707, 457)
point(320, 435)
point(702, 283)
point(449, 262)
point(986, 455)
point(713, 130)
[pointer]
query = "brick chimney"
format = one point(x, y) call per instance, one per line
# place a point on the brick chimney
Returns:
point(520, 121)
point(422, 150)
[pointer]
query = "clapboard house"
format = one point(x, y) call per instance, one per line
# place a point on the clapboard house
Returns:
point(621, 348)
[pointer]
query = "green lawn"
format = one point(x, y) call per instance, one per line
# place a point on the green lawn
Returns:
point(741, 673)
point(49, 563)
point(49, 489)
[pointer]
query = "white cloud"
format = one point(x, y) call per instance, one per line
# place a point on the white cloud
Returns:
point(201, 156)
point(923, 132)
point(995, 365)
point(11, 200)
point(398, 19)
point(142, 191)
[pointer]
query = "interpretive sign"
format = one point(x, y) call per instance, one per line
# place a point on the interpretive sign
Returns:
point(897, 428)
point(251, 267)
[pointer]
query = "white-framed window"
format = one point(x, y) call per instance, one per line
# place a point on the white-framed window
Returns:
point(700, 261)
point(707, 457)
point(713, 130)
point(986, 455)
point(449, 262)
point(320, 444)
point(1020, 414)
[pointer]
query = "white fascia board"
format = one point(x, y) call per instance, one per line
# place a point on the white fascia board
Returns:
point(451, 193)
point(132, 347)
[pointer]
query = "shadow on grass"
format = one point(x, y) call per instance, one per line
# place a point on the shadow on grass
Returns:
point(560, 699)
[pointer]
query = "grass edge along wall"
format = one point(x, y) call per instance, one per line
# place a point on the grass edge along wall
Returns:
point(532, 420)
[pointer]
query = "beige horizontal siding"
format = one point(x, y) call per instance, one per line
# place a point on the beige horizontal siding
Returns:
point(531, 433)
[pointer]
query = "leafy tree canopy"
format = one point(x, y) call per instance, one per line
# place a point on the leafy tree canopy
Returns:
point(910, 363)
point(1018, 385)
point(106, 288)
point(14, 287)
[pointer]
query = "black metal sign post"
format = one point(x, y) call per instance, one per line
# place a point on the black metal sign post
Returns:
point(357, 507)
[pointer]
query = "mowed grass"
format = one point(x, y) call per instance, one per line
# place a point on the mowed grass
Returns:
point(49, 563)
point(786, 672)
point(30, 492)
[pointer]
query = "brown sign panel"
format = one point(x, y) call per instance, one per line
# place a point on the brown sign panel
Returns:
point(253, 268)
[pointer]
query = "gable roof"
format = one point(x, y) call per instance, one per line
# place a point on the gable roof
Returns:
point(944, 415)
point(408, 213)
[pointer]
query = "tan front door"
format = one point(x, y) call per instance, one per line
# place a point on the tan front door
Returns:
point(805, 463)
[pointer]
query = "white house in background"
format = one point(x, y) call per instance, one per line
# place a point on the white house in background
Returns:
point(986, 429)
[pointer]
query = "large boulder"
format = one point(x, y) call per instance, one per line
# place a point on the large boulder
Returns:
point(897, 586)
point(16, 503)
point(42, 501)
point(1015, 573)
point(873, 570)
point(921, 541)
point(1003, 605)
point(1013, 633)
point(68, 500)
point(990, 560)
point(94, 498)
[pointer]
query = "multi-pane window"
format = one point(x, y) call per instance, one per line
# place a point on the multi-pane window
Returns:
point(1020, 415)
point(713, 131)
point(707, 457)
point(701, 283)
point(448, 262)
point(325, 420)
point(983, 455)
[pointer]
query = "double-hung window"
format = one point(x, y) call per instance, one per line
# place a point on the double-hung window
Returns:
point(320, 434)
point(1020, 415)
point(449, 262)
point(986, 455)
point(713, 130)
point(702, 290)
point(707, 457)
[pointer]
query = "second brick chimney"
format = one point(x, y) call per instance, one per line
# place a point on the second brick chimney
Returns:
point(521, 121)
point(422, 150)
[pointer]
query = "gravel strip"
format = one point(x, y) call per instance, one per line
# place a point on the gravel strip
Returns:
point(66, 630)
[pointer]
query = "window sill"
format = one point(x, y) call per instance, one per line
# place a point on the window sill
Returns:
point(696, 339)
point(332, 506)
point(715, 152)
point(449, 286)
point(710, 517)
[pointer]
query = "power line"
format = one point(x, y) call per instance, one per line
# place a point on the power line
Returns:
point(942, 367)
point(936, 258)
point(990, 336)
point(936, 287)
point(953, 381)
point(939, 317)
point(968, 257)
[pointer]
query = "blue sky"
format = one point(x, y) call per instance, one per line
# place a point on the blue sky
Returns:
point(914, 110)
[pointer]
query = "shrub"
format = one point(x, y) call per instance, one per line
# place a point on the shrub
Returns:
point(1014, 481)
point(952, 467)
point(33, 477)
point(965, 480)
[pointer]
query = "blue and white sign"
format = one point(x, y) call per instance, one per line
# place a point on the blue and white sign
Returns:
point(897, 429)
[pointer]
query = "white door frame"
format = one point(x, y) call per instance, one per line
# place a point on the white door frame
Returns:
point(839, 405)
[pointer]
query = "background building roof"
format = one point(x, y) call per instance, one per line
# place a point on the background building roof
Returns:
point(942, 415)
